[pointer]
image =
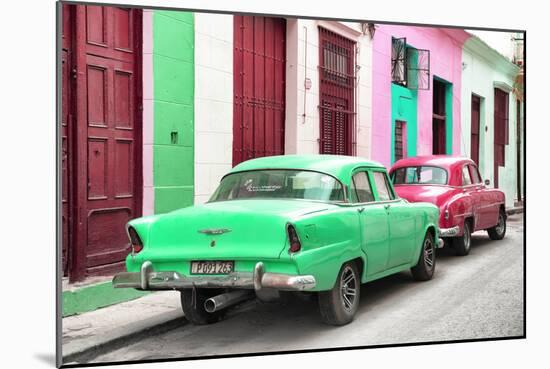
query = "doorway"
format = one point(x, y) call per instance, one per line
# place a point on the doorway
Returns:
point(439, 119)
point(259, 87)
point(101, 136)
point(474, 137)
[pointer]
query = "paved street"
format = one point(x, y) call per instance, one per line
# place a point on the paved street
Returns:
point(480, 295)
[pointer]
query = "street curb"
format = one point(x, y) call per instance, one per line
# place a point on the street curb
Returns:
point(85, 355)
point(95, 296)
point(512, 211)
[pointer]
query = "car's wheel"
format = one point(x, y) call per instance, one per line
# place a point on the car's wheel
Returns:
point(497, 232)
point(193, 306)
point(339, 305)
point(462, 244)
point(424, 269)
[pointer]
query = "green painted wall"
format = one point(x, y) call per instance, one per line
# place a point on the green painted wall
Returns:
point(404, 104)
point(449, 118)
point(174, 88)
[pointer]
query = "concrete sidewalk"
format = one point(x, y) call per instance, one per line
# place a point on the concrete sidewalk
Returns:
point(86, 333)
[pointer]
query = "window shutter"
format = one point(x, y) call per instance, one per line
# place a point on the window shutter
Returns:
point(398, 61)
point(337, 79)
point(418, 68)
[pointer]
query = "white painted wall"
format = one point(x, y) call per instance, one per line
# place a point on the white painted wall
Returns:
point(302, 124)
point(214, 93)
point(481, 70)
point(213, 101)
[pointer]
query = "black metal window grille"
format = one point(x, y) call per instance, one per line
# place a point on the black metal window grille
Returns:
point(337, 66)
point(418, 69)
point(410, 67)
point(399, 60)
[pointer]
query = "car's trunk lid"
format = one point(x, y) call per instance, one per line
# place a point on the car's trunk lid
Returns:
point(228, 229)
point(435, 194)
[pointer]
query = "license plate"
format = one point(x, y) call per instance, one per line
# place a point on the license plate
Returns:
point(212, 267)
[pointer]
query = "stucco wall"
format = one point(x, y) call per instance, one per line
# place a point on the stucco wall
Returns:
point(172, 100)
point(445, 63)
point(148, 115)
point(478, 77)
point(213, 101)
point(302, 131)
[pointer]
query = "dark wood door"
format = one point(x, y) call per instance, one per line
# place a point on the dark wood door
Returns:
point(474, 141)
point(518, 151)
point(400, 142)
point(107, 135)
point(259, 87)
point(438, 138)
point(67, 125)
point(500, 130)
point(439, 119)
point(337, 94)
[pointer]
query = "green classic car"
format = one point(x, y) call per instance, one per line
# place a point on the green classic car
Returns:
point(318, 224)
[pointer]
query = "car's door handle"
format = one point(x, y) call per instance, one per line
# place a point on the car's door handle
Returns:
point(387, 206)
point(360, 210)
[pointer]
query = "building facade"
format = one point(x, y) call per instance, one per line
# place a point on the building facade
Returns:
point(491, 116)
point(158, 105)
point(274, 86)
point(416, 91)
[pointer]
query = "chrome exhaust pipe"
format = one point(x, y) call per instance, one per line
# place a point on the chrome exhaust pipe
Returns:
point(226, 300)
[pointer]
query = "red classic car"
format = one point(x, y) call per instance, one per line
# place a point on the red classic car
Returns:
point(452, 183)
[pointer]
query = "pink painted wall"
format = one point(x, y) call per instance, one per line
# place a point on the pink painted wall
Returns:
point(445, 47)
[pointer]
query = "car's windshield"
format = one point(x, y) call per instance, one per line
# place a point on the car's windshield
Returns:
point(420, 175)
point(279, 184)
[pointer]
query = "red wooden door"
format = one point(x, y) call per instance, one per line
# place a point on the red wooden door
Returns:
point(474, 142)
point(400, 142)
point(67, 124)
point(107, 135)
point(439, 119)
point(259, 87)
point(500, 130)
point(337, 94)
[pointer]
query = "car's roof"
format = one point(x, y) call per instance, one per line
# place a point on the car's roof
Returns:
point(444, 161)
point(339, 166)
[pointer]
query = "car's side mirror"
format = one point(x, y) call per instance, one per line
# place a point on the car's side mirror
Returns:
point(487, 182)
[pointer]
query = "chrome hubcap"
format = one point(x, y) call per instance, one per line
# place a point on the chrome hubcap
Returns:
point(428, 254)
point(348, 290)
point(500, 225)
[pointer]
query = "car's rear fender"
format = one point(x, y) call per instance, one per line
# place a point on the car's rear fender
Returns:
point(329, 239)
point(458, 208)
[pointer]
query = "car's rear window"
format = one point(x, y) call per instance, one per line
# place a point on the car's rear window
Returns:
point(420, 175)
point(279, 184)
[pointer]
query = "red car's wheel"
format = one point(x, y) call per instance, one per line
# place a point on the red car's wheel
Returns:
point(462, 244)
point(497, 232)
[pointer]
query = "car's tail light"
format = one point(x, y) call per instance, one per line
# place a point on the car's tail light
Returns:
point(293, 239)
point(137, 245)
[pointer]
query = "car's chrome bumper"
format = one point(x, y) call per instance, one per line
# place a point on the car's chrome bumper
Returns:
point(449, 232)
point(148, 279)
point(440, 243)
